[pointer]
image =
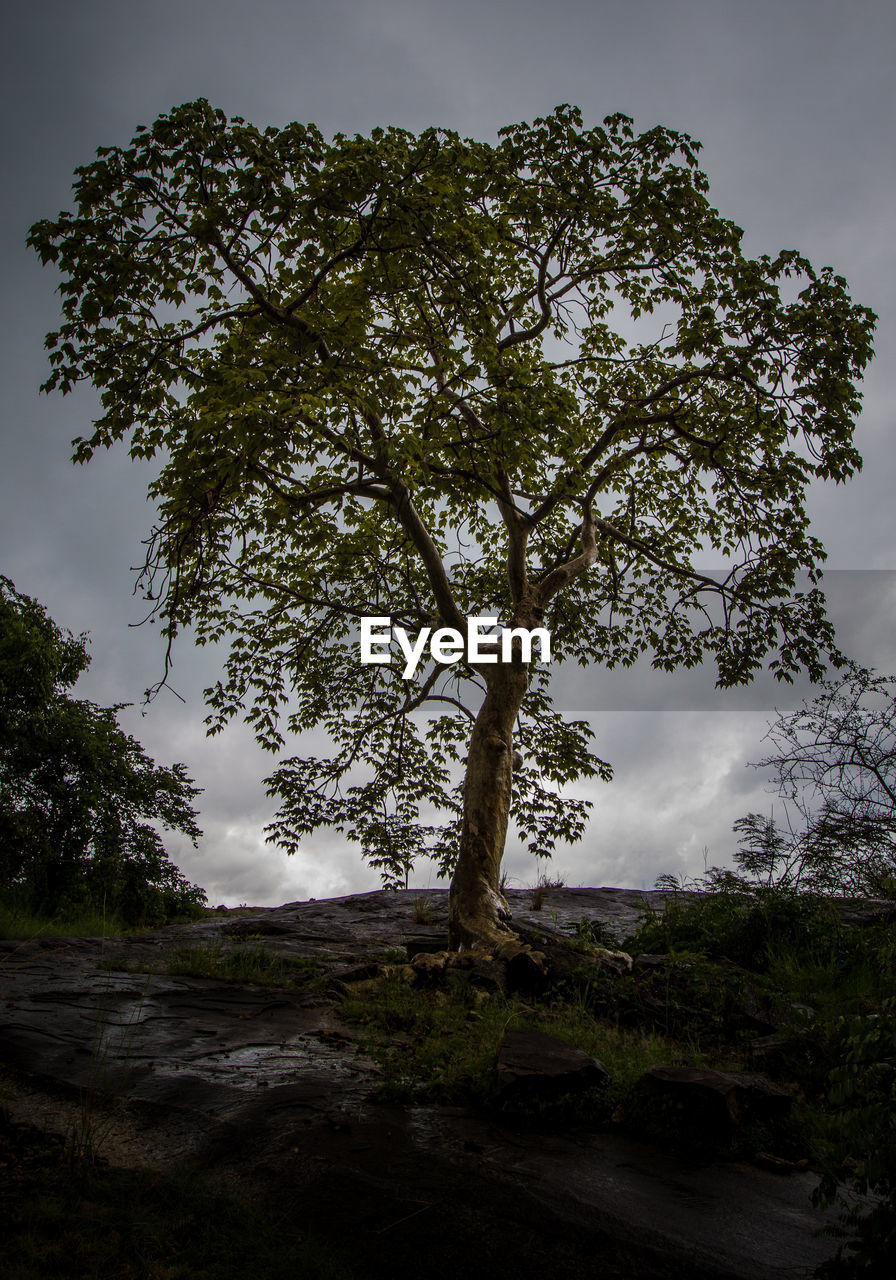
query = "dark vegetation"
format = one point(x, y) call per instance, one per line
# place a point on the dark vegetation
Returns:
point(80, 801)
point(766, 982)
point(65, 1219)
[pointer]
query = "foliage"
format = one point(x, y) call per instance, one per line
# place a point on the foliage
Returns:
point(443, 1048)
point(828, 988)
point(863, 1093)
point(422, 911)
point(17, 922)
point(435, 378)
point(78, 794)
point(748, 928)
point(835, 761)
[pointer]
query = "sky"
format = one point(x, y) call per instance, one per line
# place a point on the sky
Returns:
point(794, 104)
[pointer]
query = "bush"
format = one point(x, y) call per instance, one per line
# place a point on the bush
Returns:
point(748, 928)
point(862, 1091)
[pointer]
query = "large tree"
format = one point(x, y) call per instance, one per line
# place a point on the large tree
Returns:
point(433, 378)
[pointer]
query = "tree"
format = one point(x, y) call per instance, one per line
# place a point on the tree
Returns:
point(835, 763)
point(77, 794)
point(382, 376)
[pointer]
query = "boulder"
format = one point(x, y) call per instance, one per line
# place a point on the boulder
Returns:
point(430, 964)
point(618, 962)
point(532, 1064)
point(714, 1101)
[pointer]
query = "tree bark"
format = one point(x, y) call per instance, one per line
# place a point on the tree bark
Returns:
point(477, 908)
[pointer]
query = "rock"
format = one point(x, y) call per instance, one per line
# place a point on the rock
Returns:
point(670, 1015)
point(560, 962)
point(255, 927)
point(355, 973)
point(649, 962)
point(768, 1050)
point(715, 1102)
point(616, 961)
point(863, 912)
point(777, 1164)
point(414, 946)
point(525, 967)
point(266, 1087)
point(405, 972)
point(486, 971)
point(531, 1063)
point(430, 964)
point(754, 1011)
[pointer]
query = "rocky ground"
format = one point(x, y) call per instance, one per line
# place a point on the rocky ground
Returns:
point(270, 1089)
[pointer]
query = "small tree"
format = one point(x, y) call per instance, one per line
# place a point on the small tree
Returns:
point(76, 793)
point(433, 378)
point(835, 765)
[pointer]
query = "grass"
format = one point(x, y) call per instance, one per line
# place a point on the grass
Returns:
point(541, 887)
point(18, 923)
point(242, 962)
point(245, 961)
point(737, 968)
point(422, 911)
point(139, 1225)
point(440, 1046)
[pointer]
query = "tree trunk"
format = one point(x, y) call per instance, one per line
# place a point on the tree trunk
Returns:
point(477, 908)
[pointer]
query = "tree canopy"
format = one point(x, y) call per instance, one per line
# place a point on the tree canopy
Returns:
point(78, 796)
point(430, 377)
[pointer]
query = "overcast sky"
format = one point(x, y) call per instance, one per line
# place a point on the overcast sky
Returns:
point(794, 103)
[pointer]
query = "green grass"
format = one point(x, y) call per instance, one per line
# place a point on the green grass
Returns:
point(440, 1046)
point(18, 923)
point(242, 962)
point(62, 1221)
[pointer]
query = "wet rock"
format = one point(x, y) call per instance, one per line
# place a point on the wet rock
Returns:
point(713, 1101)
point(650, 962)
point(532, 1064)
point(270, 1086)
point(777, 1164)
point(865, 912)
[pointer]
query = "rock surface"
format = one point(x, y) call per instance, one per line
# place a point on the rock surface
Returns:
point(273, 1088)
point(717, 1101)
point(531, 1063)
